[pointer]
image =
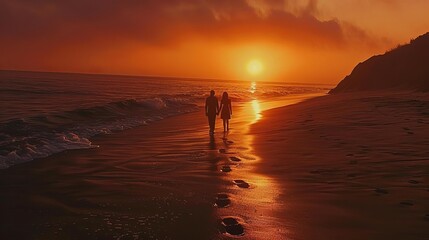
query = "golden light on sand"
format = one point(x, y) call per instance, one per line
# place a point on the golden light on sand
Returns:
point(255, 67)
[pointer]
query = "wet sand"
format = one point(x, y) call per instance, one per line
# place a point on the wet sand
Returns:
point(167, 180)
point(153, 182)
point(349, 166)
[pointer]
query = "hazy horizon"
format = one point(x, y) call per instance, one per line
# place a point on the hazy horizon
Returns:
point(172, 77)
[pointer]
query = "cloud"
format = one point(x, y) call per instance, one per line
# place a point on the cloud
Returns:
point(167, 22)
point(210, 38)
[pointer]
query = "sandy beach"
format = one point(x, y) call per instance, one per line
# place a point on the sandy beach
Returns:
point(286, 173)
point(349, 166)
point(289, 169)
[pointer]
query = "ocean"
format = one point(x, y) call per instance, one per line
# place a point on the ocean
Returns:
point(47, 113)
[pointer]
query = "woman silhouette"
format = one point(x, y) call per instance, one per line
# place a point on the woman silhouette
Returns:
point(226, 111)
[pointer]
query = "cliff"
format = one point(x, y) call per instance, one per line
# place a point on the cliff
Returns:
point(404, 68)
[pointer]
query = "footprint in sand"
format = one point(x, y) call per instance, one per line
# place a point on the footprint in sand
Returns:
point(241, 184)
point(226, 168)
point(381, 191)
point(413, 182)
point(222, 200)
point(222, 150)
point(407, 203)
point(408, 131)
point(235, 159)
point(353, 162)
point(232, 226)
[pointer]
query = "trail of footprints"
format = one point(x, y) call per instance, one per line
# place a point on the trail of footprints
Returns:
point(379, 191)
point(230, 225)
point(383, 191)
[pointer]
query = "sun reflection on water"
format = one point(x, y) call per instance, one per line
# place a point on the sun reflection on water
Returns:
point(256, 110)
point(253, 87)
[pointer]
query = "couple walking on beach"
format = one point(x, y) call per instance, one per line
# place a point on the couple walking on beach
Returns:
point(212, 109)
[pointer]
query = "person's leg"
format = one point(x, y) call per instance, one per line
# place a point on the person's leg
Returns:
point(227, 124)
point(224, 126)
point(212, 121)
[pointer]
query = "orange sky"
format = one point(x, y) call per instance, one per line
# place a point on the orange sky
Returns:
point(297, 41)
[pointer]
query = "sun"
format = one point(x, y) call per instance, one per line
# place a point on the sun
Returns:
point(255, 67)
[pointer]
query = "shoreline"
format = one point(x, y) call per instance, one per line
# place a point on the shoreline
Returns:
point(151, 181)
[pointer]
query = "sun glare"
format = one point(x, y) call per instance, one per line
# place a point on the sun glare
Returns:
point(255, 67)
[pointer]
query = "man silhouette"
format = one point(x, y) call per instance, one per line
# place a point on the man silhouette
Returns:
point(212, 109)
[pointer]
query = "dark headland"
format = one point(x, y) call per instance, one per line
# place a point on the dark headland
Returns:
point(403, 68)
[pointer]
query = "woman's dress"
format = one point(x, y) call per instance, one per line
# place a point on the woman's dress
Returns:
point(225, 112)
